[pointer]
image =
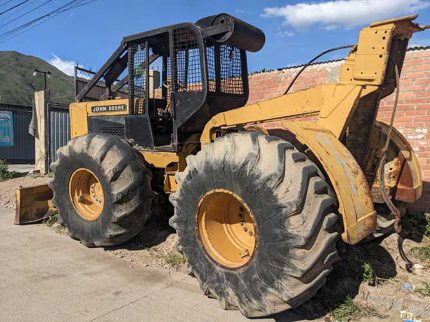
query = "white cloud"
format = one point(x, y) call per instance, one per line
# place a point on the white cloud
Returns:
point(66, 66)
point(286, 33)
point(343, 13)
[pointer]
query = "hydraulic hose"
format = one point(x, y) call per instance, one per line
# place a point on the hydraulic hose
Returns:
point(394, 210)
point(311, 61)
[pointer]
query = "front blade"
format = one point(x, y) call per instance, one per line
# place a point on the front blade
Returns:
point(33, 204)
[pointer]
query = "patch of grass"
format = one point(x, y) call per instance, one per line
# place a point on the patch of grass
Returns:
point(396, 281)
point(174, 259)
point(369, 275)
point(5, 174)
point(347, 311)
point(60, 229)
point(427, 228)
point(350, 310)
point(423, 253)
point(424, 291)
point(51, 220)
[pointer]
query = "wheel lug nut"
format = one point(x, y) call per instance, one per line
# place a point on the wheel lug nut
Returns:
point(245, 229)
point(242, 223)
point(251, 233)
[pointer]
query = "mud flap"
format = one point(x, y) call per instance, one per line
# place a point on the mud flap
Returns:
point(33, 204)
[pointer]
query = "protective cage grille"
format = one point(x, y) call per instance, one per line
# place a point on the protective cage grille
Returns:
point(225, 73)
point(187, 60)
point(225, 69)
point(137, 56)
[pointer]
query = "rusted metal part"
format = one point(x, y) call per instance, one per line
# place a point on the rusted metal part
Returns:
point(403, 181)
point(345, 175)
point(409, 187)
point(391, 174)
point(33, 204)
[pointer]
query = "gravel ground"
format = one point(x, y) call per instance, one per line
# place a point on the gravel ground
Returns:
point(8, 187)
point(155, 246)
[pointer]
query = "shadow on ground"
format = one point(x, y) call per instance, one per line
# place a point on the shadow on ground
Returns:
point(345, 279)
point(347, 275)
point(156, 229)
point(154, 233)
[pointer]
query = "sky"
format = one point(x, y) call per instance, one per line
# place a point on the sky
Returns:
point(296, 31)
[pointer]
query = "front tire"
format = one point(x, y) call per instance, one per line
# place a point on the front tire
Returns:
point(272, 190)
point(102, 190)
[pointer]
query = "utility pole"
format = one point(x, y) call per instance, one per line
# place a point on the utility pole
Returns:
point(45, 75)
point(41, 143)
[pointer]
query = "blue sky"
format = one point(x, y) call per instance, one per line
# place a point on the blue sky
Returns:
point(295, 30)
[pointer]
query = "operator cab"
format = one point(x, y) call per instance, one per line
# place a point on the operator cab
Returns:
point(176, 78)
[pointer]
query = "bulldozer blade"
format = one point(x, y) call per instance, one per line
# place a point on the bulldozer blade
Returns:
point(33, 204)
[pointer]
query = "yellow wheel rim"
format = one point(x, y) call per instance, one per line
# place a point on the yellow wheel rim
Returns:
point(226, 228)
point(86, 194)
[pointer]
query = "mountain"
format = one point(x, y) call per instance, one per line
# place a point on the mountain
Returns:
point(17, 83)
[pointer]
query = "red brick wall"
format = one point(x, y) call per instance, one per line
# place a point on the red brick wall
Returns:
point(413, 113)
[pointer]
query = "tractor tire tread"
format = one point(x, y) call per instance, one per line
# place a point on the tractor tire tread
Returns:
point(126, 178)
point(302, 230)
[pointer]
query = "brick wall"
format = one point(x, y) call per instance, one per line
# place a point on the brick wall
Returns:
point(413, 113)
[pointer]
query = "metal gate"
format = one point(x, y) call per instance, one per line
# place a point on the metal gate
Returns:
point(22, 148)
point(59, 128)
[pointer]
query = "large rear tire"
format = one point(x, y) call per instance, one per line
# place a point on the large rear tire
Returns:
point(256, 223)
point(102, 189)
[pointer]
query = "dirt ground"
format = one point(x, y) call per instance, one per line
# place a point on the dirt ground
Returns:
point(155, 246)
point(371, 282)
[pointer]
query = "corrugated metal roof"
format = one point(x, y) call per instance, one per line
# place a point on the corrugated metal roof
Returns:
point(415, 48)
point(418, 48)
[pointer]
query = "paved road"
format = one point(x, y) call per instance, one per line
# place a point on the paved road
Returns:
point(48, 277)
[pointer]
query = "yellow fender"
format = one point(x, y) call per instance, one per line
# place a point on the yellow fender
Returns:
point(345, 175)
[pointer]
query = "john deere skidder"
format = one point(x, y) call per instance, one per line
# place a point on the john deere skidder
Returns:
point(258, 205)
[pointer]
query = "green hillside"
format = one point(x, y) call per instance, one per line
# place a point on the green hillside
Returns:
point(17, 83)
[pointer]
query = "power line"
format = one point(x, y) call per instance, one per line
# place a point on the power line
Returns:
point(18, 11)
point(18, 30)
point(24, 14)
point(2, 5)
point(35, 22)
point(15, 6)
